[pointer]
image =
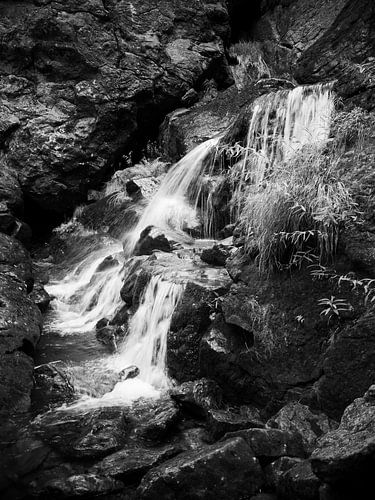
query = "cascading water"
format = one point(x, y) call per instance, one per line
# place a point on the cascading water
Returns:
point(146, 344)
point(173, 208)
point(281, 123)
point(89, 292)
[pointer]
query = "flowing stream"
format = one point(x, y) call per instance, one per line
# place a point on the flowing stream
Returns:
point(281, 123)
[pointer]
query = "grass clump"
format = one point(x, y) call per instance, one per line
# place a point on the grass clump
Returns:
point(297, 213)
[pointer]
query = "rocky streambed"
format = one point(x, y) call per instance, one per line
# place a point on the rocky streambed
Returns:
point(202, 326)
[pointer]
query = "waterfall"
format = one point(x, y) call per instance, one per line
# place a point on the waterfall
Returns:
point(173, 207)
point(145, 347)
point(146, 344)
point(88, 293)
point(281, 123)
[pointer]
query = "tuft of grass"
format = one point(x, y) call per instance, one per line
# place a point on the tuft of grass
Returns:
point(298, 211)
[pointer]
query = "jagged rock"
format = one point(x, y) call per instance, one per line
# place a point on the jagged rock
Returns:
point(82, 485)
point(197, 397)
point(299, 483)
point(131, 464)
point(215, 256)
point(40, 297)
point(229, 420)
point(83, 433)
point(272, 443)
point(348, 453)
point(22, 232)
point(207, 472)
point(110, 335)
point(152, 239)
point(189, 321)
point(220, 348)
point(115, 67)
point(52, 384)
point(299, 418)
point(7, 220)
point(16, 260)
point(348, 366)
point(121, 318)
point(20, 326)
point(190, 98)
point(275, 470)
point(129, 372)
point(154, 419)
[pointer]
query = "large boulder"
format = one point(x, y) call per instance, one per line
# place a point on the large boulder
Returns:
point(348, 453)
point(299, 418)
point(77, 81)
point(224, 470)
point(348, 365)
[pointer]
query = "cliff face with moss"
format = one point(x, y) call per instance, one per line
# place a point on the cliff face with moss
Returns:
point(269, 345)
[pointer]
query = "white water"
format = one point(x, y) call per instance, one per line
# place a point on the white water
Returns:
point(146, 345)
point(173, 207)
point(86, 295)
point(281, 124)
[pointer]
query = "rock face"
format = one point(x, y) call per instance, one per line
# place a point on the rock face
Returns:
point(348, 454)
point(225, 470)
point(78, 81)
point(20, 326)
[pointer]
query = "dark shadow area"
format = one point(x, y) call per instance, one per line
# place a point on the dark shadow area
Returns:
point(244, 15)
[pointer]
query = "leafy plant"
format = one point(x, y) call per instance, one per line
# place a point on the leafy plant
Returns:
point(334, 307)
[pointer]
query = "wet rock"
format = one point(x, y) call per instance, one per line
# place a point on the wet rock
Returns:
point(190, 98)
point(121, 318)
point(83, 485)
point(348, 366)
point(229, 420)
point(16, 376)
point(275, 470)
point(83, 433)
point(7, 220)
point(40, 297)
point(134, 272)
point(131, 464)
point(15, 259)
point(220, 348)
point(20, 326)
point(198, 397)
point(22, 232)
point(207, 471)
point(56, 156)
point(154, 419)
point(189, 321)
point(348, 453)
point(107, 263)
point(110, 336)
point(152, 239)
point(299, 483)
point(296, 417)
point(270, 444)
point(237, 308)
point(129, 372)
point(184, 129)
point(53, 385)
point(216, 256)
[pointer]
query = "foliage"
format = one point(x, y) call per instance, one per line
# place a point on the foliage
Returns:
point(349, 127)
point(334, 307)
point(298, 211)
